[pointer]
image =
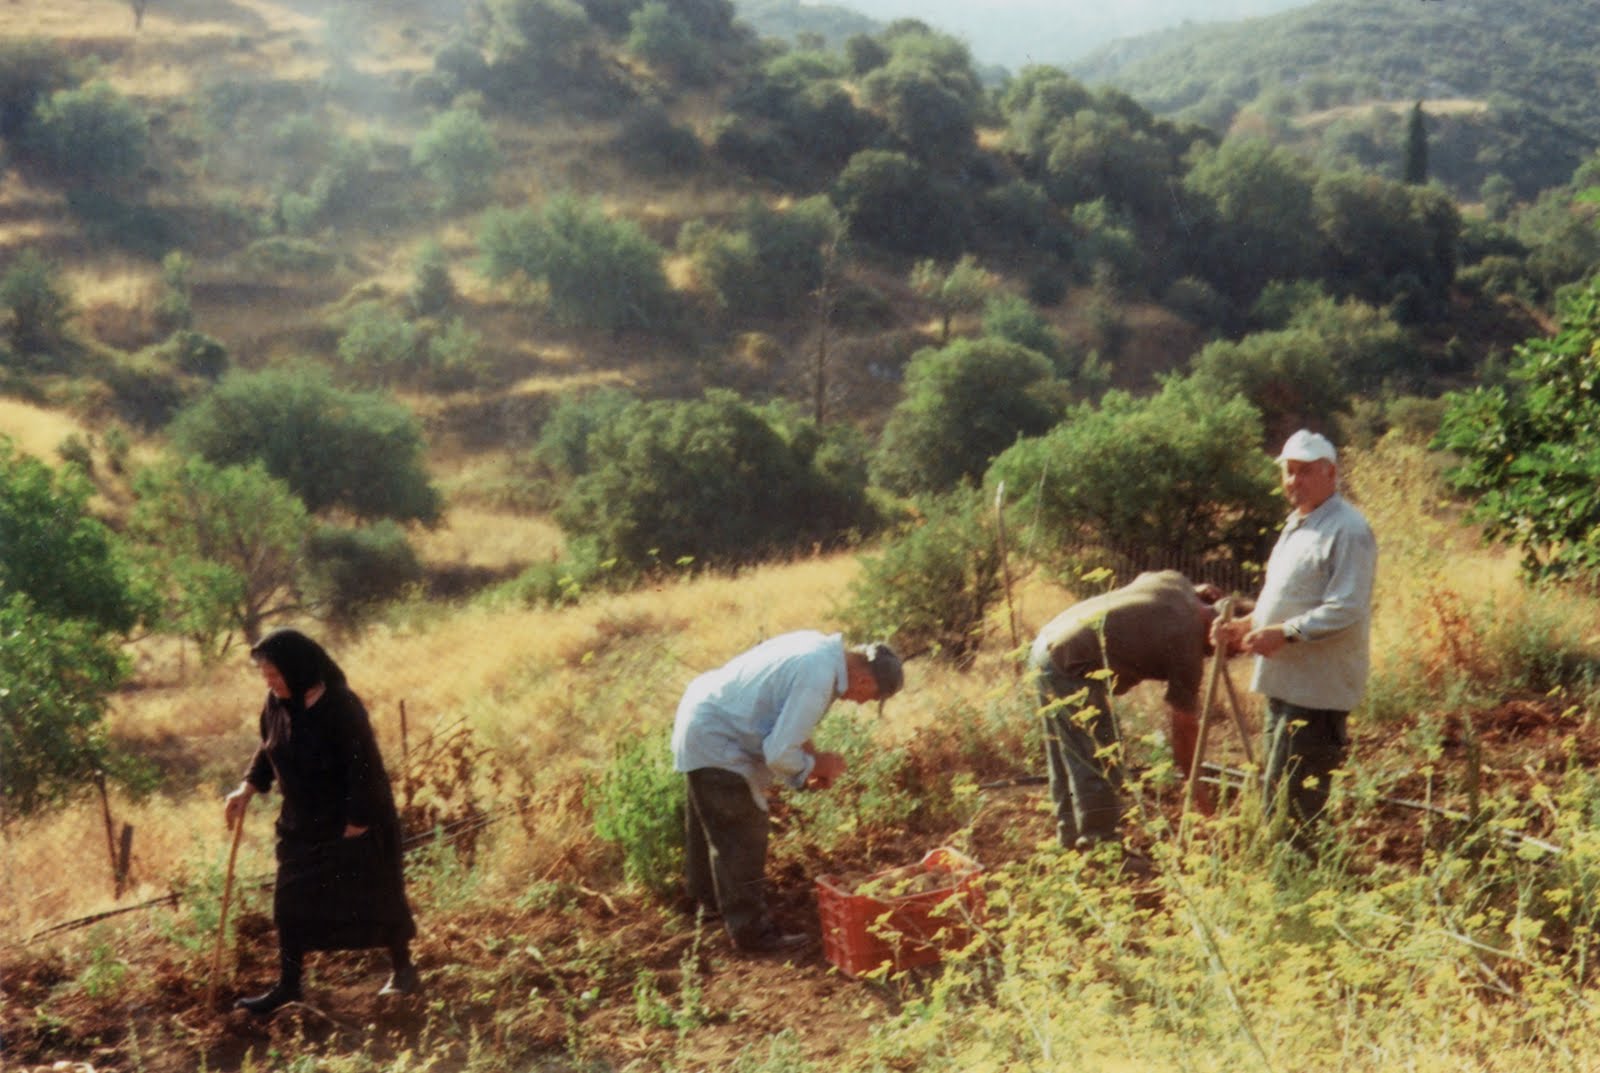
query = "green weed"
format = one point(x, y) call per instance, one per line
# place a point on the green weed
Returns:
point(639, 805)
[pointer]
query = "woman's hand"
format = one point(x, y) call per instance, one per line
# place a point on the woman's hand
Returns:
point(233, 805)
point(352, 831)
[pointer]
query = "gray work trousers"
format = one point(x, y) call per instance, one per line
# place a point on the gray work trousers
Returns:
point(1304, 746)
point(725, 851)
point(1081, 746)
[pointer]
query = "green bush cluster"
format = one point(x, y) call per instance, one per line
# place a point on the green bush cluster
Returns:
point(638, 805)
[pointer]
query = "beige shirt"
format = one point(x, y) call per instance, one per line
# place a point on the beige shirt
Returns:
point(1319, 585)
point(1153, 628)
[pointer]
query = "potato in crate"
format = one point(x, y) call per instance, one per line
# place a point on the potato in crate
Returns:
point(902, 917)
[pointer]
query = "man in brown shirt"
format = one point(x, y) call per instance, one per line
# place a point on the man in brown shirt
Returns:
point(1157, 627)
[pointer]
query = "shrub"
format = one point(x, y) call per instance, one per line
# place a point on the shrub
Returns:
point(890, 200)
point(564, 438)
point(222, 545)
point(58, 675)
point(661, 37)
point(1528, 453)
point(116, 218)
point(356, 451)
point(174, 309)
point(771, 261)
point(378, 345)
point(353, 571)
point(60, 556)
point(458, 155)
point(194, 354)
point(601, 273)
point(1016, 320)
point(147, 389)
point(962, 405)
point(929, 589)
point(1176, 480)
point(651, 142)
point(708, 482)
point(432, 290)
point(277, 255)
point(1289, 376)
point(1197, 302)
point(639, 805)
point(37, 307)
point(30, 70)
point(455, 357)
point(92, 136)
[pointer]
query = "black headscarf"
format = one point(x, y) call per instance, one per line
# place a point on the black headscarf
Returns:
point(302, 662)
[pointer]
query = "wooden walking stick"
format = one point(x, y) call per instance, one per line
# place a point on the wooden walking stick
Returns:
point(222, 918)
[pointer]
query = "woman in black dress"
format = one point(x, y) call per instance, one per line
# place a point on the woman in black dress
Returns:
point(340, 884)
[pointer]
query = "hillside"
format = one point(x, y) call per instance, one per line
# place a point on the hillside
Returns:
point(540, 355)
point(1531, 63)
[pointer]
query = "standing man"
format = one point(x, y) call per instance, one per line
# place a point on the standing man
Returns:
point(1157, 627)
point(1311, 630)
point(743, 727)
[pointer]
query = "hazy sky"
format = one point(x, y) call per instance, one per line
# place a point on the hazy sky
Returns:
point(1017, 32)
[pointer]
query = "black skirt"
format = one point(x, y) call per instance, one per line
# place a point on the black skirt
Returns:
point(342, 893)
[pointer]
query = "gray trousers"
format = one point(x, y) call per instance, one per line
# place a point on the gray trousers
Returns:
point(1304, 746)
point(725, 851)
point(1081, 740)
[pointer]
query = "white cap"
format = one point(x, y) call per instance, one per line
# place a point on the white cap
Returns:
point(1307, 446)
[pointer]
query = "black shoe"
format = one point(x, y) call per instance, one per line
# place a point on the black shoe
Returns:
point(261, 1005)
point(773, 941)
point(404, 981)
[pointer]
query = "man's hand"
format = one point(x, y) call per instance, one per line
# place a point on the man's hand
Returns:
point(1265, 642)
point(828, 767)
point(1229, 636)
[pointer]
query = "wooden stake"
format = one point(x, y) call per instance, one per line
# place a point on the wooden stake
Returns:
point(1219, 670)
point(1238, 715)
point(1005, 562)
point(111, 833)
point(222, 918)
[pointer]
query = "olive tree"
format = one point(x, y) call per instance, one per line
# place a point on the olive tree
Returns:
point(710, 482)
point(458, 155)
point(356, 451)
point(67, 562)
point(90, 136)
point(963, 405)
point(65, 593)
point(227, 543)
point(1179, 478)
point(1528, 451)
point(57, 674)
point(600, 272)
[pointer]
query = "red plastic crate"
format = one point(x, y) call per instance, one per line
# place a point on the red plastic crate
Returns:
point(861, 932)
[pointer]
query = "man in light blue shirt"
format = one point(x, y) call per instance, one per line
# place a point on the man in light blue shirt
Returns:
point(1311, 629)
point(742, 728)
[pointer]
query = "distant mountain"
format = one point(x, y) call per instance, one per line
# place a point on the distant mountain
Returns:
point(1015, 33)
point(1512, 85)
point(788, 19)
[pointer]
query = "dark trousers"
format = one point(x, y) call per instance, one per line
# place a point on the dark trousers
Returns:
point(725, 851)
point(1082, 746)
point(1304, 746)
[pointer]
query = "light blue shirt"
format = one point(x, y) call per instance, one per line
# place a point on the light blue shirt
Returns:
point(753, 715)
point(1319, 587)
